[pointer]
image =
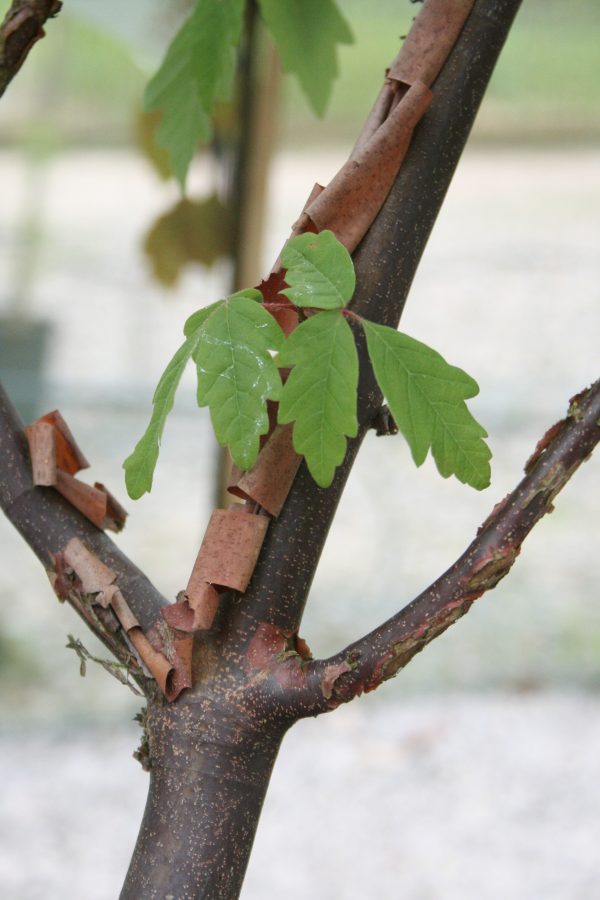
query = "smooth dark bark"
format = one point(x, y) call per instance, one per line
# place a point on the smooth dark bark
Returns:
point(248, 661)
point(211, 769)
point(21, 29)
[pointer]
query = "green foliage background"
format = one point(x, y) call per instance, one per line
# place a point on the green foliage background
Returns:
point(89, 78)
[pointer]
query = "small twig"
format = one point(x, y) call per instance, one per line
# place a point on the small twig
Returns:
point(113, 668)
point(22, 27)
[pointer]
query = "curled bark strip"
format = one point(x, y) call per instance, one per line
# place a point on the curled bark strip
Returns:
point(304, 222)
point(177, 647)
point(269, 481)
point(87, 499)
point(230, 549)
point(158, 665)
point(21, 28)
point(430, 41)
point(98, 580)
point(68, 455)
point(382, 653)
point(95, 577)
point(196, 609)
point(96, 503)
point(122, 611)
point(350, 203)
point(42, 446)
point(114, 514)
point(181, 660)
point(56, 458)
point(377, 116)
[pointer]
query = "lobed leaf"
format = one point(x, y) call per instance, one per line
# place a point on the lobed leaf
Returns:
point(193, 322)
point(197, 318)
point(307, 33)
point(197, 70)
point(139, 465)
point(427, 398)
point(236, 372)
point(319, 395)
point(320, 272)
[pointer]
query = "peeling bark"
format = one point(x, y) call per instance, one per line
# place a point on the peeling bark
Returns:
point(47, 522)
point(212, 751)
point(250, 679)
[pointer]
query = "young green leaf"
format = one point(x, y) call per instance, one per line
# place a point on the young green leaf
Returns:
point(319, 395)
point(307, 33)
point(197, 318)
point(139, 465)
point(320, 272)
point(236, 372)
point(197, 70)
point(426, 396)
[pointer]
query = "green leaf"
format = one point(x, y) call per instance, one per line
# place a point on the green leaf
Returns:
point(197, 318)
point(236, 372)
point(197, 70)
point(307, 33)
point(139, 465)
point(320, 272)
point(319, 395)
point(426, 396)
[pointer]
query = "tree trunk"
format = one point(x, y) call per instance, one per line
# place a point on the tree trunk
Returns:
point(211, 766)
point(214, 750)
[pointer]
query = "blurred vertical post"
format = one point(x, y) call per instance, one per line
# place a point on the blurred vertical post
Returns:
point(256, 128)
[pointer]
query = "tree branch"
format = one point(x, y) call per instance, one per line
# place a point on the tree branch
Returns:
point(21, 29)
point(47, 523)
point(385, 262)
point(368, 662)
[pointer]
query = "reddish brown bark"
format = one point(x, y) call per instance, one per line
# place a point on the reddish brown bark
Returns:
point(489, 558)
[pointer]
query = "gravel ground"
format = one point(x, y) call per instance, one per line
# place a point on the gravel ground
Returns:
point(457, 797)
point(470, 796)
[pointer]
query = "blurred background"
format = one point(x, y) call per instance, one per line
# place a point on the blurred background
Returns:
point(475, 772)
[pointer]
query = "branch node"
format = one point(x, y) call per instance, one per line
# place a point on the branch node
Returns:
point(384, 423)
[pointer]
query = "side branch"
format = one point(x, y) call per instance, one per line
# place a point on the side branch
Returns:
point(21, 29)
point(47, 523)
point(364, 665)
